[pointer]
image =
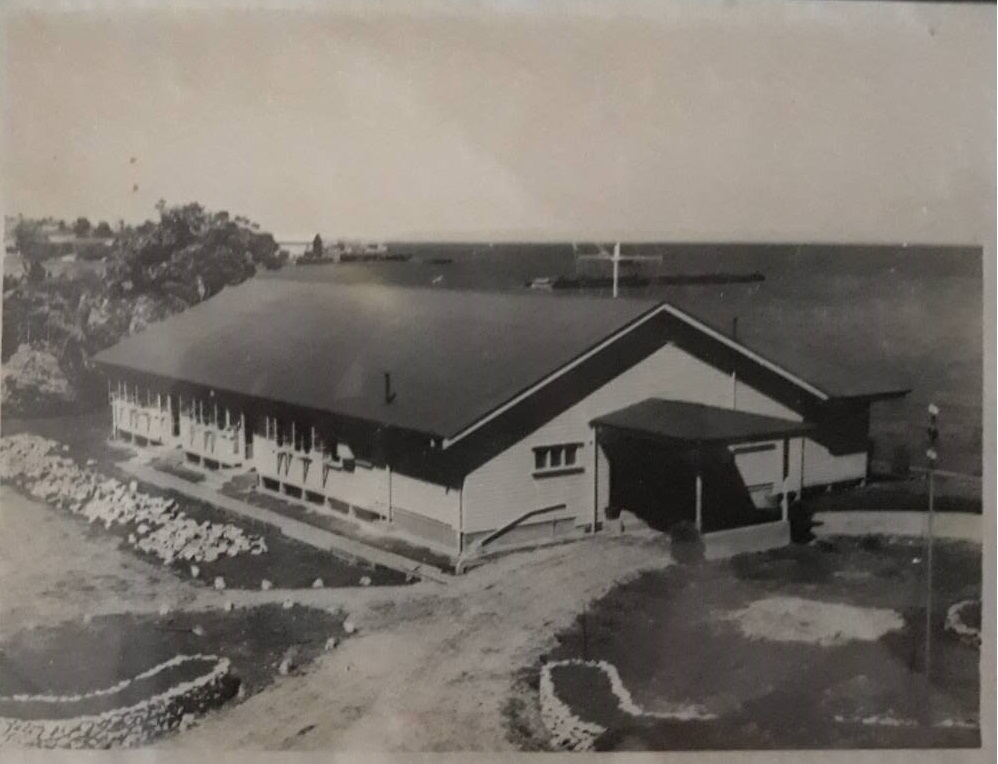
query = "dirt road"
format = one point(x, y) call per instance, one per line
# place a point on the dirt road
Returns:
point(432, 668)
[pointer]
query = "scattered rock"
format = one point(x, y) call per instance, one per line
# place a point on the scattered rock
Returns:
point(35, 464)
point(195, 571)
point(365, 580)
point(288, 604)
point(288, 662)
point(331, 643)
point(317, 583)
point(219, 582)
point(349, 626)
point(197, 630)
point(265, 585)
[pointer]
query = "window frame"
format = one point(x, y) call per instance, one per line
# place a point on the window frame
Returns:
point(552, 460)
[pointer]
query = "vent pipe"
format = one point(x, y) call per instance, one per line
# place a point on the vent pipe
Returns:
point(389, 393)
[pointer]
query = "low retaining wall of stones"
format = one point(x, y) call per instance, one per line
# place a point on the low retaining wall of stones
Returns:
point(158, 527)
point(569, 732)
point(129, 726)
point(956, 622)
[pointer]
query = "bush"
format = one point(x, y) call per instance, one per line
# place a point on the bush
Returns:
point(801, 522)
point(687, 544)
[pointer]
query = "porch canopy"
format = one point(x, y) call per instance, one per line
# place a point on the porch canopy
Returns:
point(691, 424)
point(703, 433)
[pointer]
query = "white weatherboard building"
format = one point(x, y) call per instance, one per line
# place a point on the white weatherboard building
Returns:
point(474, 420)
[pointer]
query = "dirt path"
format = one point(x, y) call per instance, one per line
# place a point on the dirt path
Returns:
point(960, 526)
point(431, 669)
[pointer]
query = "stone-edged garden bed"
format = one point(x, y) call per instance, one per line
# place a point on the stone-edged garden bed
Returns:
point(128, 680)
point(802, 647)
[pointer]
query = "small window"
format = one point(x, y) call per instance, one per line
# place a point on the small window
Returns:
point(557, 459)
point(540, 458)
point(571, 452)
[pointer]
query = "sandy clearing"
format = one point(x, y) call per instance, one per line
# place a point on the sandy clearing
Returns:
point(794, 619)
point(432, 669)
point(53, 570)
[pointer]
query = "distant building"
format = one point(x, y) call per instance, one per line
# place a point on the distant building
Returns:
point(475, 420)
point(295, 248)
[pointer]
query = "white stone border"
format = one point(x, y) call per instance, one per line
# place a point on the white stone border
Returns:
point(569, 731)
point(177, 660)
point(955, 624)
point(128, 726)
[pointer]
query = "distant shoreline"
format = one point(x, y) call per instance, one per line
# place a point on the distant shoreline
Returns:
point(631, 281)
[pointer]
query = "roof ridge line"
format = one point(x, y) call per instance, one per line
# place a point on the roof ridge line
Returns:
point(755, 355)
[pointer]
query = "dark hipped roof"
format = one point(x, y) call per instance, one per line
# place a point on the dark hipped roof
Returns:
point(690, 423)
point(453, 355)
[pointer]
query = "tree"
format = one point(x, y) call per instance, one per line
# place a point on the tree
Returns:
point(81, 227)
point(187, 246)
point(26, 236)
point(103, 230)
point(317, 249)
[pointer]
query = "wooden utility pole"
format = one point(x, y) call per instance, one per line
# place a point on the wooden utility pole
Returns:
point(933, 433)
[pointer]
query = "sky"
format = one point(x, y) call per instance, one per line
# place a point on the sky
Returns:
point(676, 121)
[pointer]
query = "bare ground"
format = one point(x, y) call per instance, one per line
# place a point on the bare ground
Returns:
point(55, 568)
point(431, 668)
point(434, 668)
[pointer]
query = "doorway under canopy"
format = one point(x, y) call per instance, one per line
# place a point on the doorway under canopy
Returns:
point(672, 461)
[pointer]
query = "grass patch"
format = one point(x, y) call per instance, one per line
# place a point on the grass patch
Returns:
point(244, 488)
point(671, 637)
point(127, 668)
point(76, 658)
point(909, 495)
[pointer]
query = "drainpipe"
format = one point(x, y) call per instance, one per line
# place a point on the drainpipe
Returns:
point(784, 501)
point(595, 477)
point(699, 494)
point(460, 519)
point(803, 440)
point(389, 469)
point(699, 517)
